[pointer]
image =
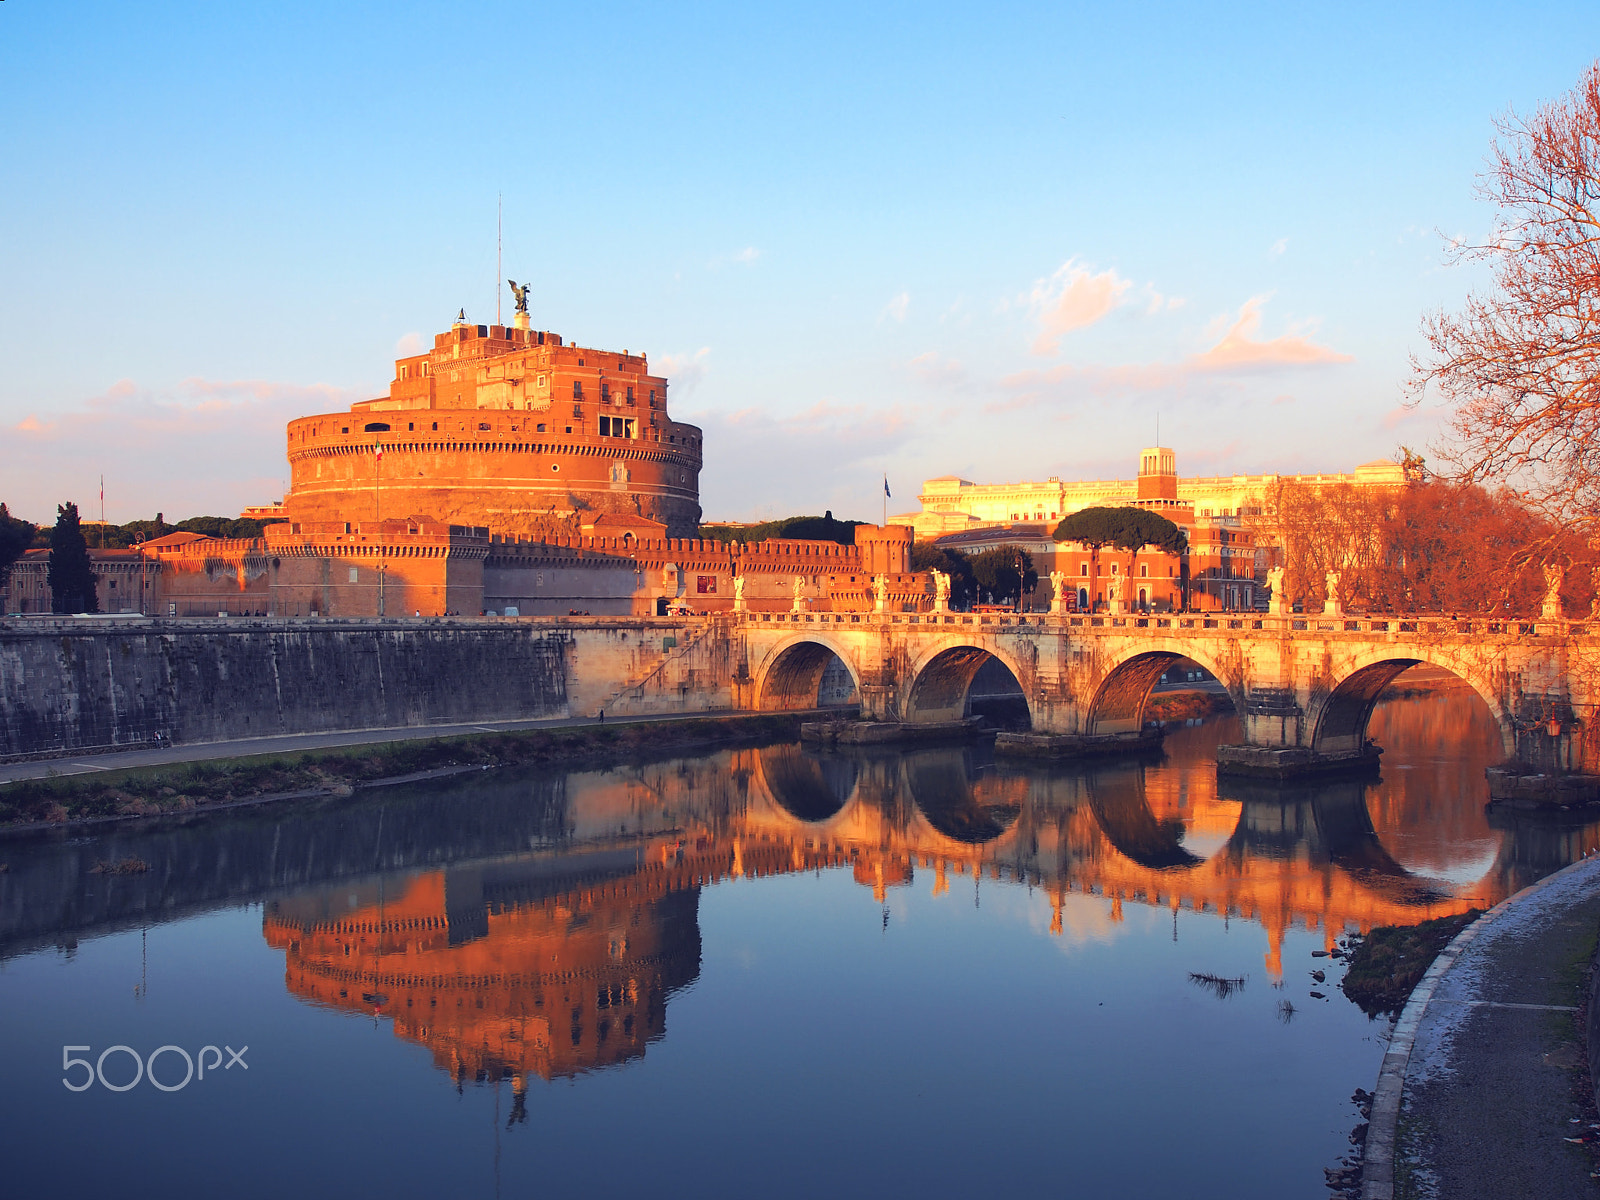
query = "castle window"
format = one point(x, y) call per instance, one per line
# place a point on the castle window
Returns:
point(557, 466)
point(376, 427)
point(344, 429)
point(630, 395)
point(411, 426)
point(577, 389)
point(652, 397)
point(436, 427)
point(605, 392)
point(540, 429)
point(1083, 568)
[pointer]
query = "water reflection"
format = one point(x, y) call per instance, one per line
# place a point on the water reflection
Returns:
point(521, 926)
point(559, 962)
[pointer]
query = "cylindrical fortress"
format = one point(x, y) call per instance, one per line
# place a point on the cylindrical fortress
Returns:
point(507, 428)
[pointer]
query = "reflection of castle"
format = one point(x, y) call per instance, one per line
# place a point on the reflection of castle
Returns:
point(547, 967)
point(562, 961)
point(551, 989)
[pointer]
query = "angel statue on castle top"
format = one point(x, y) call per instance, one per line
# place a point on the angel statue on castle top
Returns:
point(521, 293)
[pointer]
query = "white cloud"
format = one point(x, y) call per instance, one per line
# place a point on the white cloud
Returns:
point(684, 372)
point(896, 308)
point(202, 447)
point(843, 449)
point(1237, 351)
point(939, 372)
point(1278, 247)
point(1240, 349)
point(1072, 298)
point(409, 345)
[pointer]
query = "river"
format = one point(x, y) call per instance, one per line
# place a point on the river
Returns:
point(757, 972)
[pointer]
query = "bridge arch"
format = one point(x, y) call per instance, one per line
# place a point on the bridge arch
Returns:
point(790, 676)
point(940, 679)
point(1124, 691)
point(1341, 720)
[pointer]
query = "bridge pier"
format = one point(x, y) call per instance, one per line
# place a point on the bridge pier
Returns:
point(1282, 764)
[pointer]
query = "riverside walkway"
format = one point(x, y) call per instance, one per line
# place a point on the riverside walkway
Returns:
point(1477, 1099)
point(296, 743)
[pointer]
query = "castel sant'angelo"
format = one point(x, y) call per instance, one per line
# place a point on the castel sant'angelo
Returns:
point(508, 428)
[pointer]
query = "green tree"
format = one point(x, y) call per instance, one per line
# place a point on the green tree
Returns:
point(1126, 528)
point(16, 535)
point(223, 527)
point(925, 556)
point(1005, 572)
point(817, 529)
point(70, 574)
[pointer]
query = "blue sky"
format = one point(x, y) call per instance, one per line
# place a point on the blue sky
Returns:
point(913, 239)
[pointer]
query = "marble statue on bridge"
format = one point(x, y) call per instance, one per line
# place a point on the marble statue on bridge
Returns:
point(1280, 602)
point(1058, 591)
point(941, 591)
point(1331, 606)
point(1554, 577)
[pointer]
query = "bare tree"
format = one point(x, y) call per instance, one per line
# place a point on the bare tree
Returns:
point(1521, 363)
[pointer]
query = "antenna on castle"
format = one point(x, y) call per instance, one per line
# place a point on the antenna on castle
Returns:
point(499, 209)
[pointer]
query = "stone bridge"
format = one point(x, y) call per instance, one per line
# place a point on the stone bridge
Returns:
point(1303, 687)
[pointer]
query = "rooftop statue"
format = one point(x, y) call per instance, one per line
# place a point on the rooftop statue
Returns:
point(521, 293)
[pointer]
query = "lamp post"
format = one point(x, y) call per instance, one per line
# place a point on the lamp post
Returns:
point(377, 509)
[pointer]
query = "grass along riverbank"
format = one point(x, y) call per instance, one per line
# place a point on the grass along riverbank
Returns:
point(215, 783)
point(1386, 965)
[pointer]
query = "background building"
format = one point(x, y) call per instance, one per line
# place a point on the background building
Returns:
point(1218, 572)
point(951, 504)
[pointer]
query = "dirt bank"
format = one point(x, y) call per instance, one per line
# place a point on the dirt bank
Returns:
point(229, 782)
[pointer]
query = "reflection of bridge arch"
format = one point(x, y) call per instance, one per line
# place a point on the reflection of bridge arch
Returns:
point(1117, 798)
point(941, 678)
point(790, 676)
point(1119, 702)
point(808, 787)
point(1340, 725)
point(949, 806)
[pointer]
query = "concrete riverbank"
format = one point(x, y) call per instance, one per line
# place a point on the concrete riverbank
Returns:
point(1482, 1093)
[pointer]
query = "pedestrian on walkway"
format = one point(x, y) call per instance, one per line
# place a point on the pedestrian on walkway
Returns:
point(602, 716)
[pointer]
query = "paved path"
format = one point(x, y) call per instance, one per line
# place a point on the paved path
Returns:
point(1487, 1096)
point(293, 743)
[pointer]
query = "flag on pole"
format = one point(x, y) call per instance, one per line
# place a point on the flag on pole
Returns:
point(886, 490)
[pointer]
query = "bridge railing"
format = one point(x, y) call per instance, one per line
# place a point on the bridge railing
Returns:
point(1165, 624)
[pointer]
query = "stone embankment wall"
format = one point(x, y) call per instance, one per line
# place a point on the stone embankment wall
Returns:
point(76, 684)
